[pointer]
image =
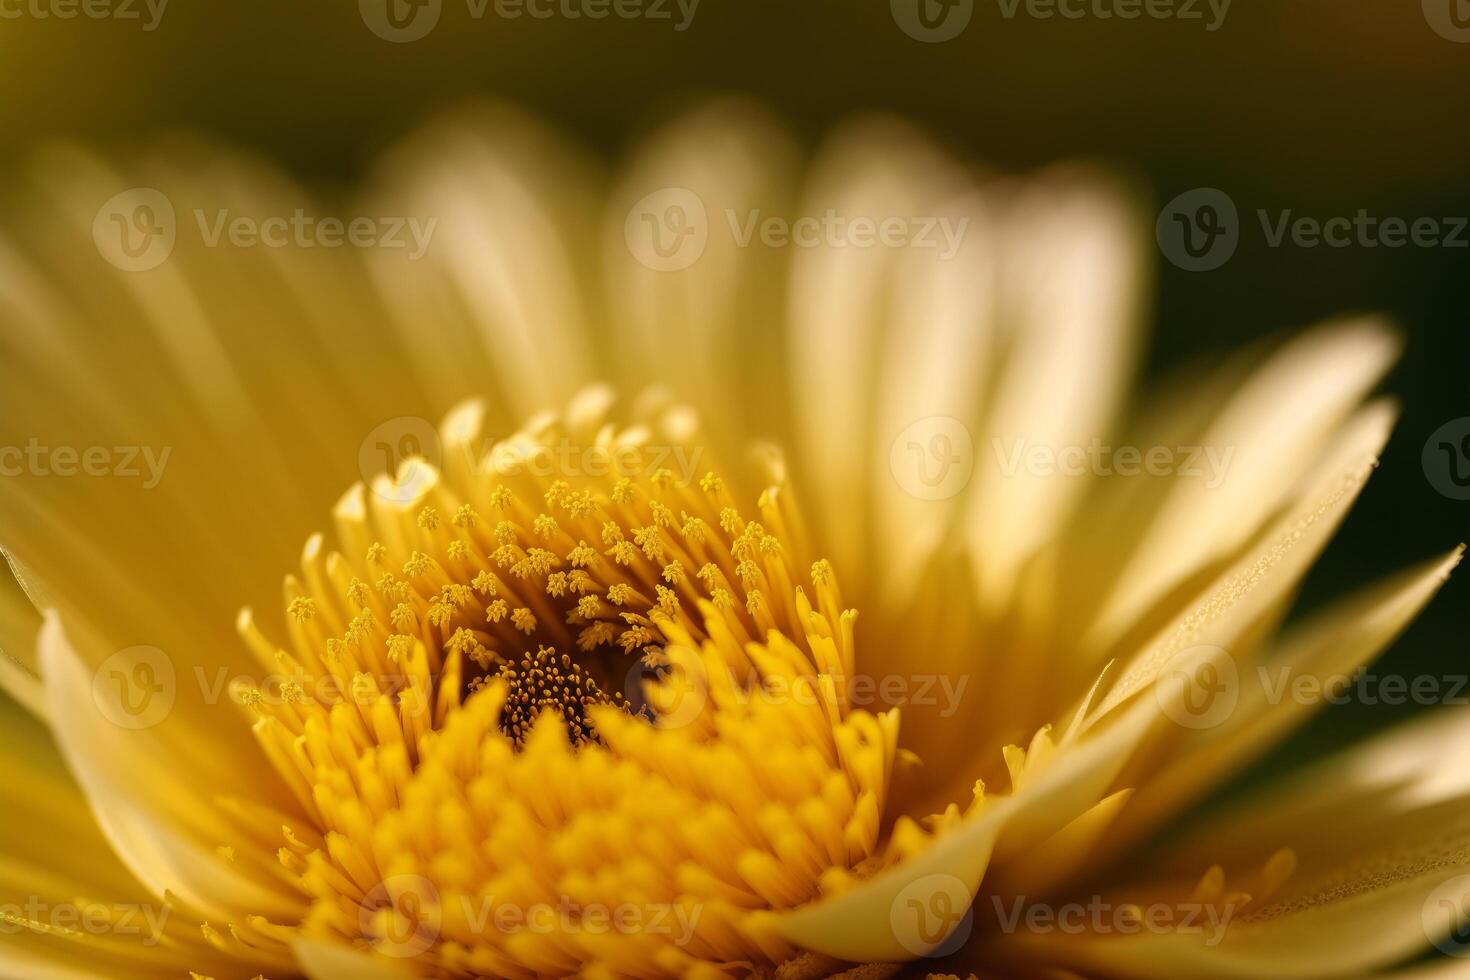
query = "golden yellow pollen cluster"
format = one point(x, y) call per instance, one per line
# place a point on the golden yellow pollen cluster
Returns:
point(596, 687)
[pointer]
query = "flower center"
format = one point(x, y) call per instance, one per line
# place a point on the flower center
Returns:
point(542, 682)
point(590, 648)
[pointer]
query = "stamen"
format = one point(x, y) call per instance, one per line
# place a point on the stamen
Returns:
point(545, 681)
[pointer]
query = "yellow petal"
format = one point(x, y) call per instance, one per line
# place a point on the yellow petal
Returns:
point(325, 960)
point(839, 313)
point(498, 286)
point(1321, 652)
point(887, 918)
point(1273, 427)
point(148, 804)
point(1259, 584)
point(705, 321)
point(1072, 271)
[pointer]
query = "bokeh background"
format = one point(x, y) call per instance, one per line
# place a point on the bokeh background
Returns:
point(1324, 107)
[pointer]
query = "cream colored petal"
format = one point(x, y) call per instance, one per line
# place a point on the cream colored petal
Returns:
point(1174, 412)
point(934, 358)
point(154, 803)
point(259, 373)
point(1324, 651)
point(1242, 603)
point(895, 346)
point(872, 922)
point(186, 332)
point(1347, 797)
point(119, 598)
point(20, 622)
point(839, 311)
point(23, 686)
point(48, 820)
point(1271, 429)
point(1061, 340)
point(1382, 847)
point(1245, 603)
point(1349, 923)
point(1443, 968)
point(1054, 860)
point(1254, 590)
point(498, 302)
point(1072, 273)
point(935, 355)
point(59, 866)
point(230, 389)
point(1378, 880)
point(325, 960)
point(43, 958)
point(20, 617)
point(707, 323)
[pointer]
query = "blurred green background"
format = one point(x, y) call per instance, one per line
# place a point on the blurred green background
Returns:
point(1321, 106)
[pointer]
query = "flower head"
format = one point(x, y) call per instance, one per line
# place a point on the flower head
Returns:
point(574, 681)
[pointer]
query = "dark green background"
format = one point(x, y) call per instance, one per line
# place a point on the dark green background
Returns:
point(1321, 106)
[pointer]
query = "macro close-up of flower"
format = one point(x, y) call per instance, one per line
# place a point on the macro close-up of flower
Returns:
point(764, 549)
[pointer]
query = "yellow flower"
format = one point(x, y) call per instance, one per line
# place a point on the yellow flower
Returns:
point(574, 682)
